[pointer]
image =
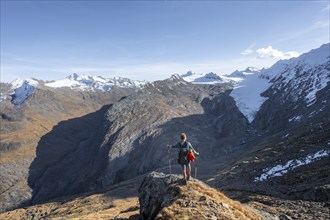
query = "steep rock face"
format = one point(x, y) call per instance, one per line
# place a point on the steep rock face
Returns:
point(23, 126)
point(164, 197)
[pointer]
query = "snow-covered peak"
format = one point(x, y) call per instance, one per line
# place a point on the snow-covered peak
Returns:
point(301, 78)
point(251, 69)
point(19, 82)
point(199, 78)
point(86, 82)
point(23, 89)
point(306, 61)
point(212, 77)
point(236, 73)
point(243, 73)
point(175, 77)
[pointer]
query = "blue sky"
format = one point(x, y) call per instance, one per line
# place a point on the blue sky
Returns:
point(153, 40)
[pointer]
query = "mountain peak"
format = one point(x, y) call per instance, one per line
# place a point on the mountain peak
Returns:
point(189, 73)
point(207, 78)
point(176, 77)
point(73, 76)
point(23, 89)
point(251, 69)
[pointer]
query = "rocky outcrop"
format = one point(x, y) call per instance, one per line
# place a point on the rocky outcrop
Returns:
point(164, 197)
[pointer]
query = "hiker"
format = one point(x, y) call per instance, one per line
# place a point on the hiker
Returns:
point(186, 155)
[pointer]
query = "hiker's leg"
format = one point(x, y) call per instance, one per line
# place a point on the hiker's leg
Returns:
point(189, 169)
point(184, 171)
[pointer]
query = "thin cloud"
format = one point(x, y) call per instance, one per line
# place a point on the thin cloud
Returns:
point(247, 52)
point(326, 9)
point(322, 24)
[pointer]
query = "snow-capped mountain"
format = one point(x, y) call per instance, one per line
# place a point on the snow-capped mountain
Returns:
point(300, 78)
point(85, 82)
point(243, 73)
point(21, 89)
point(199, 78)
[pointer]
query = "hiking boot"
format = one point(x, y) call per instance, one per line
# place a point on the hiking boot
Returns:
point(184, 182)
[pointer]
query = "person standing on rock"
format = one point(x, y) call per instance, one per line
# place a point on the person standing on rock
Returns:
point(184, 159)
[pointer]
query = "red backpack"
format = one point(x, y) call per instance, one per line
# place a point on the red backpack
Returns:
point(191, 156)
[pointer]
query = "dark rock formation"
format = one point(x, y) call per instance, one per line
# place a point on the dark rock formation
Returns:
point(156, 192)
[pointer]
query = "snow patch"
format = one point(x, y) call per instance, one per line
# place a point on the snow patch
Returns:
point(175, 77)
point(279, 170)
point(23, 89)
point(296, 118)
point(3, 97)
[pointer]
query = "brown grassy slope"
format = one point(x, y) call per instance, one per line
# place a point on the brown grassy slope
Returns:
point(199, 201)
point(119, 201)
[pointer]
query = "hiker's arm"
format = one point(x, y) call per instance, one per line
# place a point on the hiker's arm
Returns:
point(174, 146)
point(195, 152)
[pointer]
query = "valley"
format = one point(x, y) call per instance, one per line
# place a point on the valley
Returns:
point(66, 145)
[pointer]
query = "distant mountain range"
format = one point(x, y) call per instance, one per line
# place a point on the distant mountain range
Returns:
point(21, 89)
